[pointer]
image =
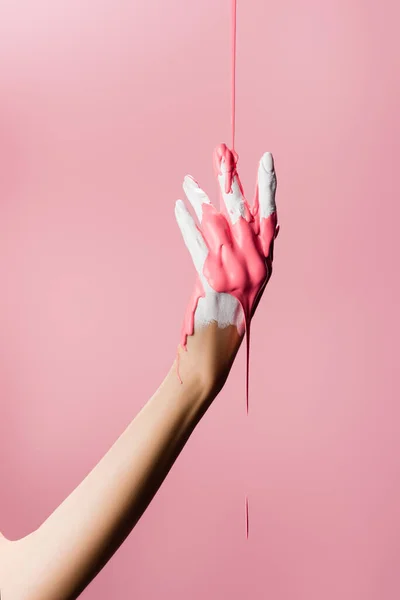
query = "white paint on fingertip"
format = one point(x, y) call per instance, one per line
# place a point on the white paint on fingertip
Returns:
point(196, 196)
point(178, 206)
point(192, 237)
point(266, 186)
point(267, 161)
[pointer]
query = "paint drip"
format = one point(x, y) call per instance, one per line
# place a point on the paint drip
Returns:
point(239, 261)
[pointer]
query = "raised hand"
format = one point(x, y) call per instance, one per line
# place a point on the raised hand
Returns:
point(232, 249)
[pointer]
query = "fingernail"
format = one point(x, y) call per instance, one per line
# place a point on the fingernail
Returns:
point(268, 162)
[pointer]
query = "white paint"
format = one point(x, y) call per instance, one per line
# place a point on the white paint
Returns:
point(221, 308)
point(266, 186)
point(234, 201)
point(195, 195)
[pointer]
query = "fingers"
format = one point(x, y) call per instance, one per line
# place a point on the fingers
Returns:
point(231, 189)
point(266, 186)
point(195, 195)
point(192, 236)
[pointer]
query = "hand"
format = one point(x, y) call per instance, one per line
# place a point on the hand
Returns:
point(232, 251)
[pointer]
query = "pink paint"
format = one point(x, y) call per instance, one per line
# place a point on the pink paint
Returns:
point(246, 516)
point(177, 366)
point(233, 72)
point(239, 259)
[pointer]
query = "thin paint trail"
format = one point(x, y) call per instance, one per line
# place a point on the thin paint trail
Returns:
point(233, 126)
point(246, 516)
point(233, 73)
point(247, 363)
point(229, 182)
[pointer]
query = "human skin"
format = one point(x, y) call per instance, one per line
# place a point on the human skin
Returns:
point(60, 558)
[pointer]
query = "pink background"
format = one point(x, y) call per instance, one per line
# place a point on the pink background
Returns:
point(105, 105)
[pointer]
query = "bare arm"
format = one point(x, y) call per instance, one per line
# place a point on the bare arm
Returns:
point(60, 558)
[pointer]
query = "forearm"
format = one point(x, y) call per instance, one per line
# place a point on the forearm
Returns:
point(232, 254)
point(64, 554)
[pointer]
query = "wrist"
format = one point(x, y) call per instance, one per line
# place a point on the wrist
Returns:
point(208, 358)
